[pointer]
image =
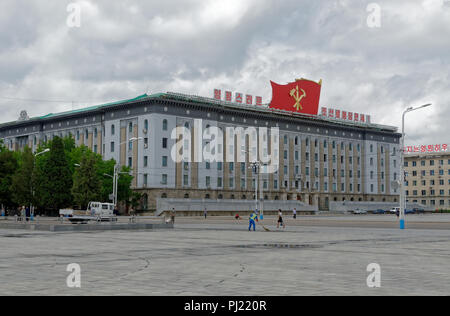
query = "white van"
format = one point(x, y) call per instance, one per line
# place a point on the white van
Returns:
point(394, 210)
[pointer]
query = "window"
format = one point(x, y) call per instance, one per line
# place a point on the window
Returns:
point(296, 155)
point(431, 162)
point(208, 165)
point(164, 161)
point(185, 179)
point(219, 166)
point(130, 127)
point(145, 179)
point(231, 180)
point(130, 162)
point(275, 184)
point(208, 181)
point(219, 182)
point(371, 161)
point(145, 161)
point(164, 125)
point(422, 163)
point(164, 142)
point(112, 147)
point(146, 125)
point(113, 129)
point(285, 155)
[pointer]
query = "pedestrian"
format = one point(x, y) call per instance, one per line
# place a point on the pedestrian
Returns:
point(172, 216)
point(22, 213)
point(205, 212)
point(251, 221)
point(27, 213)
point(280, 219)
point(237, 217)
point(3, 212)
point(295, 213)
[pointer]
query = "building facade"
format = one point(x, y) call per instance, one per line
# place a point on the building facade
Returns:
point(428, 179)
point(320, 159)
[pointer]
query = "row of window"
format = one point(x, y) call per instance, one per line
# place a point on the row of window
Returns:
point(423, 163)
point(424, 182)
point(424, 192)
point(432, 202)
point(441, 172)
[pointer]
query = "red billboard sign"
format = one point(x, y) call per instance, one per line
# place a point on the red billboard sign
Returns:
point(301, 96)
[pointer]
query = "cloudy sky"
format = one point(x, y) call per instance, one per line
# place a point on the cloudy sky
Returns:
point(126, 48)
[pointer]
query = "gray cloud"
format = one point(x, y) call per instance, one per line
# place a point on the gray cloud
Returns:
point(124, 48)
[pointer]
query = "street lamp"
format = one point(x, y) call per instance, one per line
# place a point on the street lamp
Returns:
point(116, 170)
point(402, 172)
point(257, 169)
point(31, 206)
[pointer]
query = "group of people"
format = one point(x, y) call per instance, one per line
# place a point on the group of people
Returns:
point(254, 218)
point(23, 212)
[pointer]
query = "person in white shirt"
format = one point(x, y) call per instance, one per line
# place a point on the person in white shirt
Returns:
point(280, 219)
point(294, 212)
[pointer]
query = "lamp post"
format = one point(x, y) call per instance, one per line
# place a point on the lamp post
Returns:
point(116, 171)
point(402, 171)
point(256, 166)
point(31, 206)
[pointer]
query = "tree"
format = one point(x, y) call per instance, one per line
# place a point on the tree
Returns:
point(22, 184)
point(87, 185)
point(8, 166)
point(54, 178)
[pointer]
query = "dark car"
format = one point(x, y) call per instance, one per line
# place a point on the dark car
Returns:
point(379, 211)
point(409, 211)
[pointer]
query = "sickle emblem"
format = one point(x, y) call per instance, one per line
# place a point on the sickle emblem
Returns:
point(295, 94)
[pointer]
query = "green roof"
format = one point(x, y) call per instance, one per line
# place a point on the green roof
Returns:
point(95, 107)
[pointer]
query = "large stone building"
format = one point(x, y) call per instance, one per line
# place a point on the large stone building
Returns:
point(428, 179)
point(320, 159)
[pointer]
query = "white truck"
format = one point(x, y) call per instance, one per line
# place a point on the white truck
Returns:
point(96, 211)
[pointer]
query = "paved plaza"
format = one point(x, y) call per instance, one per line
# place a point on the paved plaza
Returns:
point(314, 255)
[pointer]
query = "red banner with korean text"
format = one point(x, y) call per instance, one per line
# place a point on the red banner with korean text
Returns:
point(300, 96)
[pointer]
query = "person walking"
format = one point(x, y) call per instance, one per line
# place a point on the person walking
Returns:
point(205, 212)
point(294, 212)
point(252, 221)
point(172, 215)
point(27, 214)
point(22, 213)
point(280, 220)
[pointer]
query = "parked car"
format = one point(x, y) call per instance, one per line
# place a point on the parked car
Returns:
point(379, 211)
point(358, 211)
point(419, 210)
point(409, 211)
point(394, 210)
